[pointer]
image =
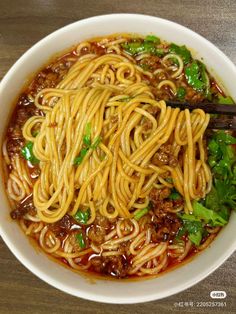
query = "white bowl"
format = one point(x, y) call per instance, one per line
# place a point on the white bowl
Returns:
point(54, 274)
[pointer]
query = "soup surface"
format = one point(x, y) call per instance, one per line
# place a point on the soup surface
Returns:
point(103, 174)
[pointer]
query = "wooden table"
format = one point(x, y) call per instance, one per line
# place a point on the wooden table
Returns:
point(23, 23)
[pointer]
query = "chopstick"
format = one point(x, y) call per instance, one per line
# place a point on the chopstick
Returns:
point(207, 107)
point(221, 123)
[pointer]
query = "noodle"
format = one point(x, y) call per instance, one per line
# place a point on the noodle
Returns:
point(95, 137)
point(74, 110)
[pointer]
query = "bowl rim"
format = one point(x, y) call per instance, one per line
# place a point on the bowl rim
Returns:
point(50, 279)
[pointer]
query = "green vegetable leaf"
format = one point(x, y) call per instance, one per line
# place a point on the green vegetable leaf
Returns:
point(197, 78)
point(87, 144)
point(87, 136)
point(226, 138)
point(222, 155)
point(82, 216)
point(222, 159)
point(140, 213)
point(196, 237)
point(27, 152)
point(182, 51)
point(153, 39)
point(78, 160)
point(133, 47)
point(181, 92)
point(193, 227)
point(214, 147)
point(80, 239)
point(212, 200)
point(207, 215)
point(225, 100)
point(194, 224)
point(204, 79)
point(175, 195)
point(193, 76)
point(226, 193)
point(149, 46)
point(159, 52)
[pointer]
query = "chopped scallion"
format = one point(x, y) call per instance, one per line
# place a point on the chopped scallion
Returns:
point(82, 216)
point(27, 152)
point(140, 213)
point(80, 240)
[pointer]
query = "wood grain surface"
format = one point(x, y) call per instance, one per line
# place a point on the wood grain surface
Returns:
point(23, 23)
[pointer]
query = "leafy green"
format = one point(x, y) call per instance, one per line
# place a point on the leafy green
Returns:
point(78, 160)
point(205, 80)
point(80, 239)
point(226, 192)
point(194, 224)
point(222, 155)
point(207, 215)
point(159, 52)
point(192, 73)
point(82, 216)
point(222, 160)
point(27, 152)
point(152, 38)
point(87, 136)
point(149, 45)
point(87, 145)
point(182, 51)
point(181, 92)
point(222, 137)
point(212, 200)
point(192, 227)
point(197, 78)
point(225, 100)
point(196, 237)
point(140, 213)
point(174, 195)
point(133, 47)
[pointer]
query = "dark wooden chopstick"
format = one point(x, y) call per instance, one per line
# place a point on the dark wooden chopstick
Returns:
point(221, 123)
point(207, 107)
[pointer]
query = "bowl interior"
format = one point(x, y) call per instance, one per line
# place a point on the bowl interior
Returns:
point(53, 273)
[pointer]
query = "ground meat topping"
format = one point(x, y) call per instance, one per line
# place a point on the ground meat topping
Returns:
point(164, 225)
point(14, 146)
point(165, 228)
point(116, 266)
point(98, 230)
point(26, 206)
point(157, 195)
point(153, 110)
point(96, 234)
point(102, 221)
point(151, 63)
point(164, 157)
point(97, 49)
point(147, 125)
point(62, 227)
